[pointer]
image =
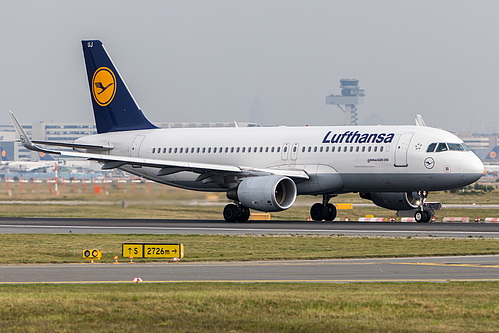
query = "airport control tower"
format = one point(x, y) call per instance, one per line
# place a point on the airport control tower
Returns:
point(350, 97)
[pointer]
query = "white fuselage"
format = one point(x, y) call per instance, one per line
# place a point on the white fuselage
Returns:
point(338, 159)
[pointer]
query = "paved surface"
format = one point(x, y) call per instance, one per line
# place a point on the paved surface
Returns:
point(434, 269)
point(79, 225)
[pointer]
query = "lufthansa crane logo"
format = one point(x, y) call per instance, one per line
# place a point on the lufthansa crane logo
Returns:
point(103, 86)
point(429, 163)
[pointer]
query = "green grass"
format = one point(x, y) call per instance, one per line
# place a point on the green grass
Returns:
point(224, 307)
point(68, 248)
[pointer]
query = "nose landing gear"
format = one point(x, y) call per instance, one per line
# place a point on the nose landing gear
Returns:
point(424, 213)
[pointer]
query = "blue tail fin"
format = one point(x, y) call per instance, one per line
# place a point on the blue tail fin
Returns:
point(115, 108)
point(45, 157)
point(4, 155)
point(493, 154)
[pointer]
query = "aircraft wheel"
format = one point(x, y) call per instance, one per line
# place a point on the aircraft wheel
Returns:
point(244, 214)
point(429, 214)
point(231, 213)
point(318, 212)
point(420, 216)
point(330, 212)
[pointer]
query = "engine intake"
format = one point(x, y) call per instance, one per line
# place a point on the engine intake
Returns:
point(393, 200)
point(265, 193)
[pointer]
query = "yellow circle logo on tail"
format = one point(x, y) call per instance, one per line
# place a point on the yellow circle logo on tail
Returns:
point(103, 86)
point(4, 153)
point(492, 154)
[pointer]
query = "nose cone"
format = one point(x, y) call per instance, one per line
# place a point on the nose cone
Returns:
point(471, 168)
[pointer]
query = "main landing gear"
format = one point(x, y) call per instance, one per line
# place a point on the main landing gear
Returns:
point(236, 212)
point(323, 211)
point(424, 213)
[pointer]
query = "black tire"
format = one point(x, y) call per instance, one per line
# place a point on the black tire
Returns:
point(420, 216)
point(429, 214)
point(318, 212)
point(244, 214)
point(231, 213)
point(330, 212)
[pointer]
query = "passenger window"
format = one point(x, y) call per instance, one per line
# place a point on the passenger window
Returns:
point(249, 149)
point(363, 148)
point(278, 149)
point(332, 149)
point(231, 149)
point(339, 149)
point(204, 150)
point(226, 150)
point(375, 148)
point(266, 149)
point(181, 150)
point(175, 151)
point(244, 149)
point(214, 149)
point(169, 151)
point(441, 147)
point(192, 150)
point(209, 150)
point(345, 149)
point(351, 148)
point(431, 148)
point(285, 149)
point(164, 150)
point(302, 149)
point(237, 150)
point(321, 149)
point(381, 148)
point(327, 149)
point(309, 149)
point(315, 149)
point(357, 149)
point(369, 149)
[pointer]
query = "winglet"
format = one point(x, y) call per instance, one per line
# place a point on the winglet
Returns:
point(23, 137)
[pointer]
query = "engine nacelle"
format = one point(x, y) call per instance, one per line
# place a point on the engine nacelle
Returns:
point(265, 193)
point(393, 200)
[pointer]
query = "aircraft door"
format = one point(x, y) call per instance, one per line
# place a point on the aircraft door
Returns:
point(135, 147)
point(285, 151)
point(401, 149)
point(294, 151)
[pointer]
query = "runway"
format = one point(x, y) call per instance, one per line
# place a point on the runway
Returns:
point(434, 269)
point(151, 226)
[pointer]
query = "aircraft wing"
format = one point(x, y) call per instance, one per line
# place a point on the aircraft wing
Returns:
point(165, 167)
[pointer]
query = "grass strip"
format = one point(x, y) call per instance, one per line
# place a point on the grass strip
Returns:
point(68, 248)
point(223, 307)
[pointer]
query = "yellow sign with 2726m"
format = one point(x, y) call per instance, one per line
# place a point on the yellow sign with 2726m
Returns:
point(144, 250)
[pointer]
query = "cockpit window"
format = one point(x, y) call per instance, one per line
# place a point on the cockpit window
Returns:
point(446, 146)
point(441, 147)
point(455, 146)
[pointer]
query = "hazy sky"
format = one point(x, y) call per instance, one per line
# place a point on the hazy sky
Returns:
point(208, 60)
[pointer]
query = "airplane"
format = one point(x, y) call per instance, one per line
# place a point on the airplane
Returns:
point(266, 168)
point(45, 163)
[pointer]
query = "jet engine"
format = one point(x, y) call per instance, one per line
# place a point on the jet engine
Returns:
point(393, 200)
point(265, 193)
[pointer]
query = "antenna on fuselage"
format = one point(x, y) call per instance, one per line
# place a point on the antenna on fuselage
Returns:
point(420, 120)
